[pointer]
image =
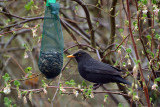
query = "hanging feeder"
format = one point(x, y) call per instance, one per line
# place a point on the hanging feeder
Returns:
point(52, 44)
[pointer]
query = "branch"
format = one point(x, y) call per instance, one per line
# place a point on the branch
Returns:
point(13, 15)
point(72, 88)
point(92, 38)
point(137, 56)
point(140, 37)
point(18, 23)
point(112, 22)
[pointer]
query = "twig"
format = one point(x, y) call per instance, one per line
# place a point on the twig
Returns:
point(18, 64)
point(13, 15)
point(76, 31)
point(14, 49)
point(75, 88)
point(116, 47)
point(112, 22)
point(140, 37)
point(71, 34)
point(25, 21)
point(124, 8)
point(80, 45)
point(92, 38)
point(59, 82)
point(137, 55)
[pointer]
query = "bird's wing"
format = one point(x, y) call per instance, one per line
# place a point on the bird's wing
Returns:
point(101, 68)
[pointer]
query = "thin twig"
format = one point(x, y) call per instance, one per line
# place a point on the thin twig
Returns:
point(92, 37)
point(13, 15)
point(75, 88)
point(59, 82)
point(137, 55)
point(112, 22)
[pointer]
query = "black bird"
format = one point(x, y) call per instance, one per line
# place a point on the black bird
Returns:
point(95, 71)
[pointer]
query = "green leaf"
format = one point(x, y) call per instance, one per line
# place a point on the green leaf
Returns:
point(157, 79)
point(7, 102)
point(128, 50)
point(105, 98)
point(29, 5)
point(17, 83)
point(157, 36)
point(44, 84)
point(6, 77)
point(120, 105)
point(71, 82)
point(144, 1)
point(28, 69)
point(76, 7)
point(144, 15)
point(97, 24)
point(135, 23)
point(120, 30)
point(154, 1)
point(84, 83)
point(15, 105)
point(149, 37)
point(124, 64)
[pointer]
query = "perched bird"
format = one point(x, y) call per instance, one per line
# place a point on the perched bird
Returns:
point(95, 71)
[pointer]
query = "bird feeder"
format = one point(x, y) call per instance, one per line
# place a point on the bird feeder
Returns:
point(52, 44)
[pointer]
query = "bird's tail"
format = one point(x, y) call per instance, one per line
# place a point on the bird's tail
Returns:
point(127, 82)
point(122, 80)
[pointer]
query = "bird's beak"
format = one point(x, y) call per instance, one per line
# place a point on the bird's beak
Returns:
point(70, 56)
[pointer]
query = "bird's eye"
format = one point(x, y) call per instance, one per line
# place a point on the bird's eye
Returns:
point(79, 54)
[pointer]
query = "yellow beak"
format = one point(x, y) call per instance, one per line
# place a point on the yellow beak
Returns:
point(70, 56)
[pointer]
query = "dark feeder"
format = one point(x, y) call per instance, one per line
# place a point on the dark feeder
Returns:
point(51, 52)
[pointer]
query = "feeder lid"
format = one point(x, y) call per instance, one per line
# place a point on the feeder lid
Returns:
point(50, 1)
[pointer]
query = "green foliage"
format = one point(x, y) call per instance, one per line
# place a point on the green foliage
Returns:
point(88, 92)
point(29, 5)
point(148, 37)
point(17, 83)
point(120, 30)
point(150, 99)
point(144, 1)
point(144, 15)
point(150, 52)
point(120, 105)
point(28, 70)
point(135, 23)
point(137, 61)
point(44, 84)
point(154, 1)
point(128, 50)
point(24, 92)
point(126, 22)
point(97, 24)
point(27, 48)
point(127, 73)
point(157, 36)
point(157, 79)
point(116, 63)
point(105, 98)
point(124, 64)
point(71, 82)
point(7, 102)
point(76, 7)
point(84, 84)
point(6, 77)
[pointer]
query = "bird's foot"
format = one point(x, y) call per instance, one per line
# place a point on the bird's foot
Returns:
point(97, 85)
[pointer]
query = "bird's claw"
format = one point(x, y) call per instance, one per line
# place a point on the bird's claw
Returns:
point(97, 85)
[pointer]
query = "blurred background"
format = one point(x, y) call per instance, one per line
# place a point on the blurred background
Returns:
point(100, 27)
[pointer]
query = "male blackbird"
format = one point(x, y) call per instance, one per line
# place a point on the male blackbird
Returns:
point(96, 71)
